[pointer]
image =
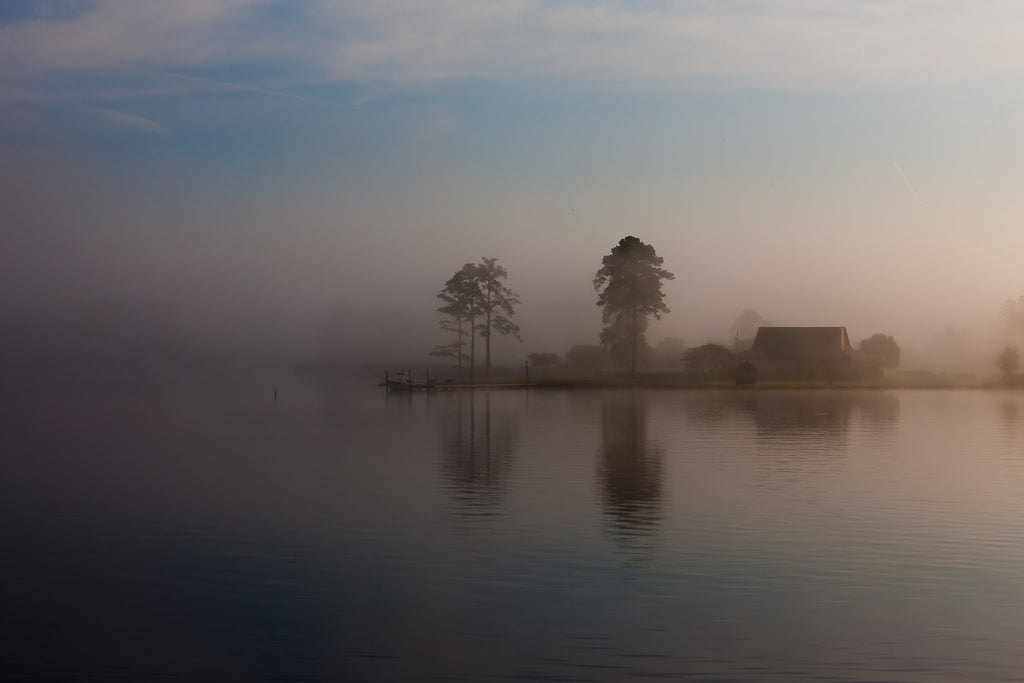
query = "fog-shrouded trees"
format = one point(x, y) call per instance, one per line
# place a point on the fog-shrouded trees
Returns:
point(475, 301)
point(1012, 317)
point(497, 305)
point(882, 349)
point(744, 328)
point(543, 360)
point(1007, 360)
point(629, 292)
point(585, 359)
point(709, 361)
point(460, 309)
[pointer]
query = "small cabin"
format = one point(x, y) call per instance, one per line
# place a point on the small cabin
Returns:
point(746, 374)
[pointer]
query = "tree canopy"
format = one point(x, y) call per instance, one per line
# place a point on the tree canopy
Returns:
point(883, 349)
point(1007, 360)
point(584, 358)
point(496, 303)
point(543, 360)
point(460, 308)
point(629, 291)
point(744, 327)
point(475, 301)
point(709, 361)
point(1012, 317)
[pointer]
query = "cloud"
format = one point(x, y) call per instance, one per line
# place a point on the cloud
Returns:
point(759, 42)
point(766, 43)
point(120, 35)
point(120, 118)
point(229, 85)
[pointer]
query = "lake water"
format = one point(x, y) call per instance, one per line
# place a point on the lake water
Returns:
point(201, 531)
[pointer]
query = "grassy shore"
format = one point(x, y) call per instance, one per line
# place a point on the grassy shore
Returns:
point(915, 380)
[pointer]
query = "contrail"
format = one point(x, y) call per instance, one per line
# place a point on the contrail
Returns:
point(909, 186)
point(263, 91)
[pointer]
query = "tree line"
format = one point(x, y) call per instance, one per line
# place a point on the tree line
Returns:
point(476, 303)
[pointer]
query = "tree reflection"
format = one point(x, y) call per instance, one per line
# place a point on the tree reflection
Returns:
point(476, 450)
point(1009, 410)
point(879, 409)
point(825, 415)
point(630, 473)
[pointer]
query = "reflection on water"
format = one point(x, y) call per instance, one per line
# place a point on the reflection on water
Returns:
point(629, 472)
point(209, 533)
point(879, 410)
point(476, 449)
point(799, 413)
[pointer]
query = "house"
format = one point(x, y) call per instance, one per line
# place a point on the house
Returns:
point(802, 353)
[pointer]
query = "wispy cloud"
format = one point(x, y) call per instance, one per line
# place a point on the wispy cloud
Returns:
point(120, 118)
point(769, 43)
point(829, 43)
point(125, 35)
point(230, 85)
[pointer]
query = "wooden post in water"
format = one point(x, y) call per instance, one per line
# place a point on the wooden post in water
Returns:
point(526, 364)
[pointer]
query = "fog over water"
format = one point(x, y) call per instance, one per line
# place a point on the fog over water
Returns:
point(222, 222)
point(307, 190)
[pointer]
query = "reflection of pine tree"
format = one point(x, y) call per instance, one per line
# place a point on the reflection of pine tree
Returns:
point(476, 451)
point(630, 472)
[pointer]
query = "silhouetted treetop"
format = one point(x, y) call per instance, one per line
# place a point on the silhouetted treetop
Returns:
point(497, 304)
point(629, 290)
point(1007, 360)
point(882, 347)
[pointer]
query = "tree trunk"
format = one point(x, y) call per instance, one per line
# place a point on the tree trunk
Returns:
point(487, 347)
point(462, 343)
point(487, 330)
point(636, 333)
point(472, 349)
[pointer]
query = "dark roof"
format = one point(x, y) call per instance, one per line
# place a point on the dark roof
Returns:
point(800, 341)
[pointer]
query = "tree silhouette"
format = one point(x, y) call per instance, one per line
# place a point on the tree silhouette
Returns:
point(883, 348)
point(1012, 315)
point(744, 327)
point(460, 298)
point(629, 286)
point(1007, 360)
point(585, 358)
point(709, 361)
point(496, 304)
point(543, 360)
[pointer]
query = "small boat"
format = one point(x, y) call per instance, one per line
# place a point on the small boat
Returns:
point(403, 383)
point(399, 385)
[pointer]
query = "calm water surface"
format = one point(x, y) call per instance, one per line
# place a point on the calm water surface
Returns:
point(199, 531)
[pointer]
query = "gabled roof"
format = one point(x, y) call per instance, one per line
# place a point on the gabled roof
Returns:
point(795, 342)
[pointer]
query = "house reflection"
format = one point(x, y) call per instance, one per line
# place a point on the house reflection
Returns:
point(825, 414)
point(879, 409)
point(630, 472)
point(476, 450)
point(809, 413)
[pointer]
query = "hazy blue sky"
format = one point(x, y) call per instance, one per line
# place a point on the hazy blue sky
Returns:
point(252, 165)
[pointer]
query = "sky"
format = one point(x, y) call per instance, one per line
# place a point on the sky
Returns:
point(300, 173)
